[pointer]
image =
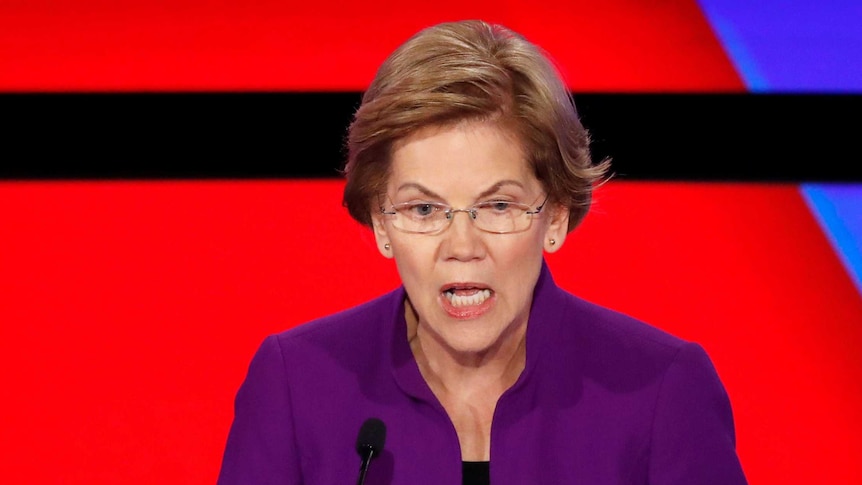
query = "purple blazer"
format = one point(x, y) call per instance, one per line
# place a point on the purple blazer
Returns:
point(603, 400)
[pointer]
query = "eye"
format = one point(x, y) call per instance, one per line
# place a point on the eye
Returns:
point(419, 209)
point(500, 206)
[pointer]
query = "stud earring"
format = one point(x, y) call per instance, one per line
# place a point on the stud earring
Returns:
point(552, 241)
point(386, 246)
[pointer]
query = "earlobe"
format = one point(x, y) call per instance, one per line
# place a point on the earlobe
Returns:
point(557, 229)
point(553, 244)
point(381, 237)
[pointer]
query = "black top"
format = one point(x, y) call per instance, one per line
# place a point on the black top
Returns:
point(477, 473)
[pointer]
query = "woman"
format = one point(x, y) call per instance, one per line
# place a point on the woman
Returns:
point(468, 162)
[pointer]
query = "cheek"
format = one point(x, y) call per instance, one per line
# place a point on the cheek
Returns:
point(531, 243)
point(518, 262)
point(414, 259)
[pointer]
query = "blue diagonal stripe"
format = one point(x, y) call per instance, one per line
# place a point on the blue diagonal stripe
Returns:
point(791, 45)
point(838, 209)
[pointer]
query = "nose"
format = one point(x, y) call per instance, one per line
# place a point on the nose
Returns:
point(462, 241)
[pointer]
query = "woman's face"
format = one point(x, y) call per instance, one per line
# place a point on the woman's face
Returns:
point(470, 289)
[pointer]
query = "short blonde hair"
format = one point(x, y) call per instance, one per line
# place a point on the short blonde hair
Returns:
point(467, 70)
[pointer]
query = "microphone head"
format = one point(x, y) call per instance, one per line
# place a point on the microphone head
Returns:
point(371, 437)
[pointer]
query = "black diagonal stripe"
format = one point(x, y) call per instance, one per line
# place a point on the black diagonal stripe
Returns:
point(745, 137)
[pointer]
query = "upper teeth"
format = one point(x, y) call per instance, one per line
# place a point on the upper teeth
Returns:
point(464, 300)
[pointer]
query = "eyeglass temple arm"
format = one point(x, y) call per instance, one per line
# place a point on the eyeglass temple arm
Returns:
point(542, 206)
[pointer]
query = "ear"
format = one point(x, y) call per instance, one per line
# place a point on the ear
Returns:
point(381, 236)
point(558, 227)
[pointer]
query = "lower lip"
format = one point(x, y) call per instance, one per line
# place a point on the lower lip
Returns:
point(469, 311)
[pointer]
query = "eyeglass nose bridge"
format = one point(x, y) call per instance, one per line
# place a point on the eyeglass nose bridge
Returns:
point(450, 213)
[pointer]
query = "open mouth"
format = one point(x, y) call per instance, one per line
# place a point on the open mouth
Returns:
point(461, 296)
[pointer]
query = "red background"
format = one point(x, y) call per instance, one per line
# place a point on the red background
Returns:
point(130, 309)
point(218, 45)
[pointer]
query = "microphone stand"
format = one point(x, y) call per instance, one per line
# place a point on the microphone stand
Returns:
point(363, 467)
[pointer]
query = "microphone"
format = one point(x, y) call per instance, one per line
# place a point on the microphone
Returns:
point(369, 444)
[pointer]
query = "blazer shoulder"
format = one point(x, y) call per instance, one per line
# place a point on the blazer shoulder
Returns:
point(604, 331)
point(361, 322)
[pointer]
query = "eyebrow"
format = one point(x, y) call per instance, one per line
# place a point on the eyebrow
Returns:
point(430, 193)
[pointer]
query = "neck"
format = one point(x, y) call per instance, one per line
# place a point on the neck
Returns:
point(488, 372)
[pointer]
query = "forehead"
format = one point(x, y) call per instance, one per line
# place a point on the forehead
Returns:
point(465, 156)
